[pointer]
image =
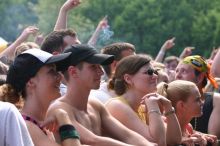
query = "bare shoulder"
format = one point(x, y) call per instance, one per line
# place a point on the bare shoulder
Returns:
point(95, 103)
point(62, 105)
point(115, 105)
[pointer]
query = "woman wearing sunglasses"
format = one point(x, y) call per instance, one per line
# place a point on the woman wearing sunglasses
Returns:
point(137, 106)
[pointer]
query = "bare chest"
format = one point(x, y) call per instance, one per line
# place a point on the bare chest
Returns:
point(90, 120)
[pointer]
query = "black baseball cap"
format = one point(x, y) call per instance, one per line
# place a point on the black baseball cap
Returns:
point(87, 53)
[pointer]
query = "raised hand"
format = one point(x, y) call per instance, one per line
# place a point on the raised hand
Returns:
point(186, 52)
point(169, 44)
point(30, 30)
point(104, 22)
point(69, 4)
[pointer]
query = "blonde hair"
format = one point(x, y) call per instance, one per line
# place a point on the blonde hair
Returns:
point(176, 90)
point(8, 94)
point(25, 46)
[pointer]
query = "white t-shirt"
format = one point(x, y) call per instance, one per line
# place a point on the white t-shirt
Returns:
point(103, 94)
point(13, 130)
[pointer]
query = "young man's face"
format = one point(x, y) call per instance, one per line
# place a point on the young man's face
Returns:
point(69, 40)
point(90, 75)
point(185, 72)
point(171, 65)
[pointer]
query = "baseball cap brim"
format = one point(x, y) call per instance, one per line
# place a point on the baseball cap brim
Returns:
point(102, 59)
point(61, 60)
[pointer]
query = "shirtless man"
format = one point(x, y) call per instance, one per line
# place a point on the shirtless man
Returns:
point(90, 117)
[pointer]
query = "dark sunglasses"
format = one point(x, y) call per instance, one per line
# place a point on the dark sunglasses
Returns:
point(196, 63)
point(151, 71)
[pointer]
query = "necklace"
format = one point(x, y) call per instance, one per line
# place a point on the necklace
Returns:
point(25, 117)
point(195, 123)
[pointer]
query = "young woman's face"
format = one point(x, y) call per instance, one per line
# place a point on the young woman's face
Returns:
point(145, 80)
point(193, 105)
point(48, 82)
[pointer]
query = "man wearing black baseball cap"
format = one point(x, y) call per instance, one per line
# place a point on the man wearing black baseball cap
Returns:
point(90, 117)
point(33, 76)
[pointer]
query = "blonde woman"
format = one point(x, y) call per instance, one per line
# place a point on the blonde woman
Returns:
point(186, 100)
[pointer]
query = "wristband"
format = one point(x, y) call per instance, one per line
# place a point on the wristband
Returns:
point(68, 131)
point(172, 111)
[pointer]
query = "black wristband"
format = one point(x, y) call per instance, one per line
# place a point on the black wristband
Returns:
point(68, 131)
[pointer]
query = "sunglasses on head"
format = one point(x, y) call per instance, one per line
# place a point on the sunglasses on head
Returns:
point(151, 71)
point(196, 63)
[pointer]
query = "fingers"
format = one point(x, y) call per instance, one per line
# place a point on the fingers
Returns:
point(69, 4)
point(31, 30)
point(173, 39)
point(48, 122)
point(170, 43)
point(148, 95)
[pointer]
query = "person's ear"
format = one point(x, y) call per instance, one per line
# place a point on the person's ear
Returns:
point(72, 71)
point(31, 83)
point(128, 79)
point(113, 65)
point(180, 106)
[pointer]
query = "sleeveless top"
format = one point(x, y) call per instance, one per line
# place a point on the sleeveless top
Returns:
point(201, 123)
point(27, 118)
point(141, 110)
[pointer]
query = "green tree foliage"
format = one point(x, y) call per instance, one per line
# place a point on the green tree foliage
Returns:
point(145, 23)
point(15, 15)
point(148, 23)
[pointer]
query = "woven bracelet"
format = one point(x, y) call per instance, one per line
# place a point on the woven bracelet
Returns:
point(172, 111)
point(68, 131)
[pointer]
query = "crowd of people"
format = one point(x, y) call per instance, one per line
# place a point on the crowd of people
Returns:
point(56, 91)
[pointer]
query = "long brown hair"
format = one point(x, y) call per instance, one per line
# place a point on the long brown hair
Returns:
point(128, 65)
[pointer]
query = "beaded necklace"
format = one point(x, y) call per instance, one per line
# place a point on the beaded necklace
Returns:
point(195, 123)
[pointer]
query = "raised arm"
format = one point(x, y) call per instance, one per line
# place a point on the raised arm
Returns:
point(9, 52)
point(186, 52)
point(215, 70)
point(166, 46)
point(61, 22)
point(103, 23)
point(173, 131)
